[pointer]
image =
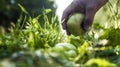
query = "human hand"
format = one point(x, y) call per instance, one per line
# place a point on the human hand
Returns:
point(86, 7)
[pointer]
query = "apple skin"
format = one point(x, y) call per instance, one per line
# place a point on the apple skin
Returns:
point(74, 24)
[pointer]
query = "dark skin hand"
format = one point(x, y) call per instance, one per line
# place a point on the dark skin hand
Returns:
point(86, 7)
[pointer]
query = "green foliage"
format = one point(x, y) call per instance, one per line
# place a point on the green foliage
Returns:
point(10, 10)
point(112, 35)
point(23, 9)
point(32, 37)
point(99, 63)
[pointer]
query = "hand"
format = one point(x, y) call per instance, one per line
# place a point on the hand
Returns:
point(86, 7)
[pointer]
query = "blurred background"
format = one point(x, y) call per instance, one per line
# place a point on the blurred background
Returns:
point(10, 11)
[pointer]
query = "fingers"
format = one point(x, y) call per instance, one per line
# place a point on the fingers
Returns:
point(88, 20)
point(68, 33)
point(74, 7)
point(67, 12)
point(90, 11)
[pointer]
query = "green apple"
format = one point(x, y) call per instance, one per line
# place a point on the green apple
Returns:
point(74, 24)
